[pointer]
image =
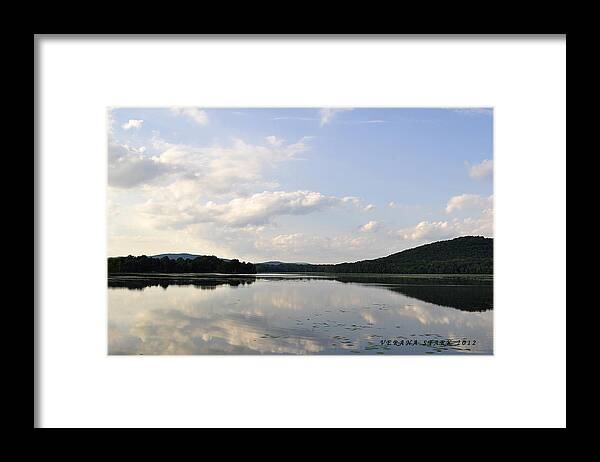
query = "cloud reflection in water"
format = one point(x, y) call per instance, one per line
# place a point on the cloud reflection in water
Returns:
point(292, 316)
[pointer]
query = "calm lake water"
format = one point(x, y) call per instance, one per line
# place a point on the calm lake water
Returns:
point(299, 314)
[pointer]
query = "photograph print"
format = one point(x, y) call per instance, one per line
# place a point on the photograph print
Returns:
point(300, 231)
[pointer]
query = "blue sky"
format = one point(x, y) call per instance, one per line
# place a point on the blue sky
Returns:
point(306, 184)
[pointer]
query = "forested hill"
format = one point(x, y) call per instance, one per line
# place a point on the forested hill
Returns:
point(463, 255)
point(175, 256)
point(199, 264)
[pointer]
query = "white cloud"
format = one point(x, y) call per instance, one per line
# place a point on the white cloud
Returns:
point(128, 167)
point(482, 225)
point(370, 227)
point(257, 209)
point(392, 205)
point(327, 114)
point(351, 200)
point(369, 207)
point(132, 123)
point(273, 140)
point(479, 223)
point(303, 245)
point(468, 202)
point(482, 170)
point(436, 230)
point(197, 115)
point(218, 170)
point(193, 192)
point(427, 231)
point(374, 121)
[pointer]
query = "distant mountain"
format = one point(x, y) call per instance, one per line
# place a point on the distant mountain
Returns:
point(185, 256)
point(175, 256)
point(463, 255)
point(274, 263)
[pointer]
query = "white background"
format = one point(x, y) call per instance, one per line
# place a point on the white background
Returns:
point(523, 384)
